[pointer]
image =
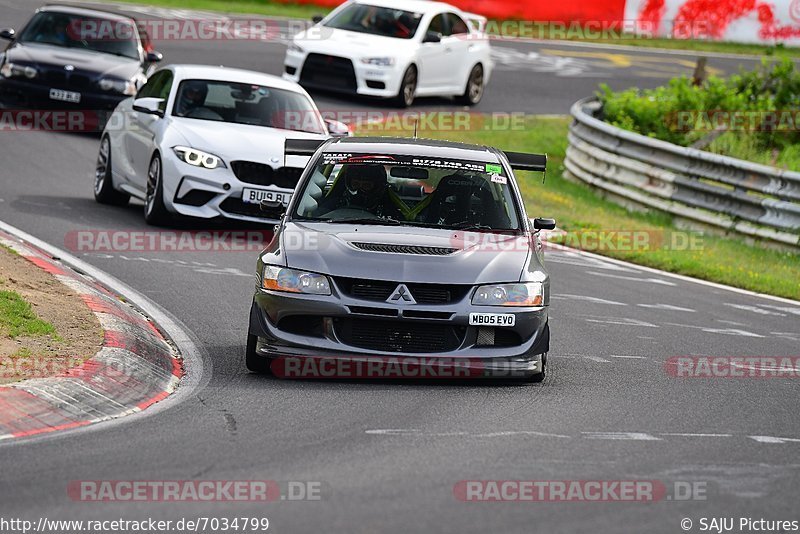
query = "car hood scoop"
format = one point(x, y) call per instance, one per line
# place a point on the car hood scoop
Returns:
point(407, 254)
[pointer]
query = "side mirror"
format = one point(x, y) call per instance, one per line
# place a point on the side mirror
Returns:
point(432, 37)
point(316, 19)
point(153, 57)
point(151, 106)
point(544, 224)
point(337, 129)
point(8, 33)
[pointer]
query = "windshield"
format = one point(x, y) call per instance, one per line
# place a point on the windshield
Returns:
point(244, 103)
point(408, 190)
point(117, 37)
point(384, 21)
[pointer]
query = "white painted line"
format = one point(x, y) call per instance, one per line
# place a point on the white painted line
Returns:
point(693, 435)
point(597, 359)
point(588, 299)
point(754, 309)
point(633, 278)
point(624, 321)
point(624, 436)
point(771, 439)
point(627, 357)
point(709, 330)
point(668, 307)
point(675, 276)
point(499, 434)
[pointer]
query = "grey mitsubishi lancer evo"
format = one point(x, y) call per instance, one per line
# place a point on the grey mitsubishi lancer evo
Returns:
point(411, 251)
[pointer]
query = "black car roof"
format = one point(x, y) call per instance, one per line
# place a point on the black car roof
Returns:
point(86, 12)
point(433, 148)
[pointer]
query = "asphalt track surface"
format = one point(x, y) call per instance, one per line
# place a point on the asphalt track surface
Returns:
point(388, 454)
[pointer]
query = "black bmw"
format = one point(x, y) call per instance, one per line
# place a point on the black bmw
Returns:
point(73, 58)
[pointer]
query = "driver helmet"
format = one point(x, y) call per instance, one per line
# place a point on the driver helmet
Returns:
point(193, 95)
point(366, 185)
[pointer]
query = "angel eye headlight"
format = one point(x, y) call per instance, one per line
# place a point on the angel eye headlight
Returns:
point(125, 87)
point(198, 158)
point(520, 294)
point(294, 281)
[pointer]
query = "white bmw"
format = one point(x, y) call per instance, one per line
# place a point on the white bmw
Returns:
point(394, 49)
point(207, 142)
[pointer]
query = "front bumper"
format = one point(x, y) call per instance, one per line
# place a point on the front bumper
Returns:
point(369, 80)
point(19, 94)
point(310, 326)
point(213, 193)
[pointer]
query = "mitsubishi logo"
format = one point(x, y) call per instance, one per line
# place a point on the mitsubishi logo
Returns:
point(401, 295)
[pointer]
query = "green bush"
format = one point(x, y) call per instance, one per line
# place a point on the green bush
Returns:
point(683, 113)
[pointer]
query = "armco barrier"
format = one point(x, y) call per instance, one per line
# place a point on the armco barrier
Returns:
point(738, 196)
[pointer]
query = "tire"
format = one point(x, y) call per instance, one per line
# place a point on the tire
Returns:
point(473, 92)
point(408, 88)
point(255, 363)
point(155, 213)
point(539, 377)
point(104, 191)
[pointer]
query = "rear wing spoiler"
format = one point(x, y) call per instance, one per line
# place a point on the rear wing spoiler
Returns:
point(478, 22)
point(302, 147)
point(520, 161)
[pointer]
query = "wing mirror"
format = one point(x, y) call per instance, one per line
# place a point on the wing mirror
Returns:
point(8, 33)
point(269, 204)
point(153, 57)
point(432, 37)
point(337, 129)
point(151, 106)
point(544, 224)
point(316, 19)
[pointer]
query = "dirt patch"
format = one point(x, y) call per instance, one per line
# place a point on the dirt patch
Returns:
point(78, 334)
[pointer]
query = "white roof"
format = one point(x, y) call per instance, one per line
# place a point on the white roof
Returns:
point(227, 74)
point(419, 6)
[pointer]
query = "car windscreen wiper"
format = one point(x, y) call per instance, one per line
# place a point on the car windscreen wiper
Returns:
point(472, 226)
point(366, 220)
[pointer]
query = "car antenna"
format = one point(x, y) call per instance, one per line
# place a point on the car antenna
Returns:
point(416, 123)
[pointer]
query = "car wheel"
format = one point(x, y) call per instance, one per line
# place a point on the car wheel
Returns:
point(474, 90)
point(155, 212)
point(254, 362)
point(408, 88)
point(539, 377)
point(104, 191)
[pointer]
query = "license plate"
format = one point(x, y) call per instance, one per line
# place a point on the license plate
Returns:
point(65, 96)
point(492, 319)
point(255, 196)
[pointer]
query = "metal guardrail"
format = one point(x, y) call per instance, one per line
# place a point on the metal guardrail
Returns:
point(753, 200)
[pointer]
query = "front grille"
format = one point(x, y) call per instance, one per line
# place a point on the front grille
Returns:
point(380, 290)
point(399, 336)
point(237, 207)
point(329, 72)
point(62, 79)
point(262, 174)
point(405, 249)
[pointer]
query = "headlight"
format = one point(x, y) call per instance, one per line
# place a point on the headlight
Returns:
point(379, 61)
point(126, 87)
point(521, 294)
point(198, 158)
point(11, 69)
point(294, 47)
point(294, 281)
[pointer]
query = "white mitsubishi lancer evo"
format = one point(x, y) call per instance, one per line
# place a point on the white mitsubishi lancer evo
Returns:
point(394, 49)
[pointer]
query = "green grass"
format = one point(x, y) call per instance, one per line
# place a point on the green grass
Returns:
point(304, 11)
point(17, 318)
point(747, 148)
point(577, 208)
